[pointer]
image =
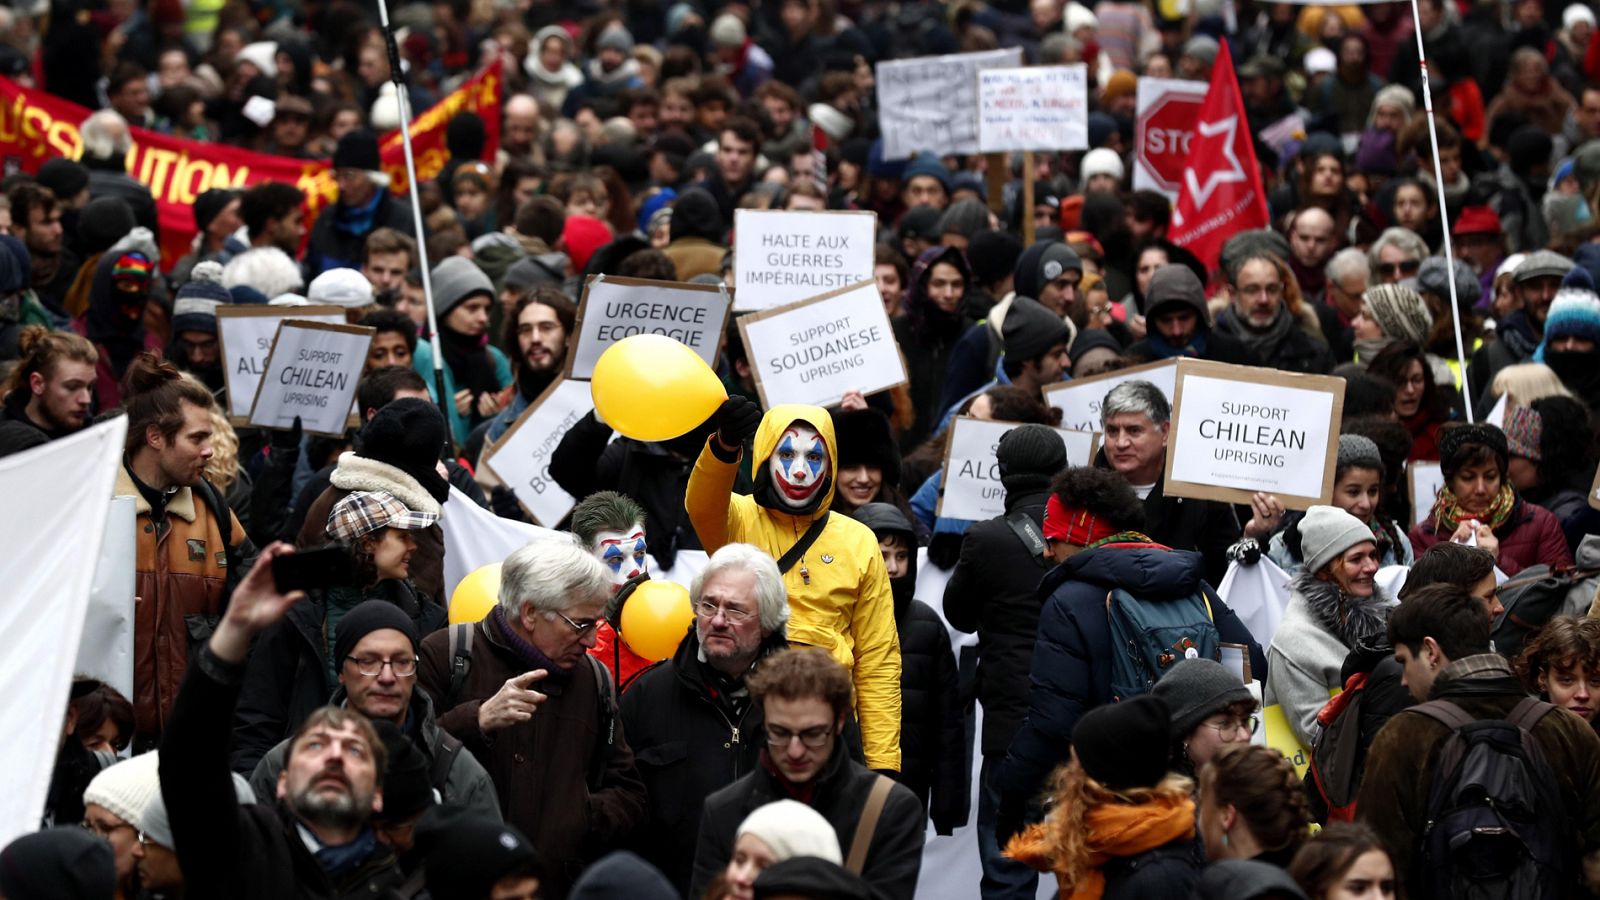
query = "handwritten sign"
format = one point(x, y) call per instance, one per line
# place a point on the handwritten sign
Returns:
point(931, 102)
point(522, 458)
point(1237, 430)
point(816, 350)
point(1036, 108)
point(782, 256)
point(1425, 481)
point(245, 333)
point(1079, 399)
point(970, 488)
point(311, 373)
point(614, 308)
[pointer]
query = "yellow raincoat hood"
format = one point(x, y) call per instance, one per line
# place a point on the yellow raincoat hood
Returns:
point(773, 424)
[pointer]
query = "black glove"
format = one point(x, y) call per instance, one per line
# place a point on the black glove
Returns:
point(504, 504)
point(737, 420)
point(944, 550)
point(285, 443)
point(1247, 551)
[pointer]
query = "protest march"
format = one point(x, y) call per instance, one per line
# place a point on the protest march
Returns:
point(800, 450)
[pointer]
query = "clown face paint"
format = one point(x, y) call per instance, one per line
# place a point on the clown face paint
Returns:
point(799, 466)
point(622, 553)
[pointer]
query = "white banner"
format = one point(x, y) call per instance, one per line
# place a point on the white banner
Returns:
point(782, 256)
point(970, 488)
point(1036, 108)
point(106, 650)
point(1079, 399)
point(817, 350)
point(245, 333)
point(56, 511)
point(931, 102)
point(522, 457)
point(615, 308)
point(1257, 595)
point(311, 374)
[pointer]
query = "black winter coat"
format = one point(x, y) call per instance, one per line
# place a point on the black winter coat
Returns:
point(933, 728)
point(332, 247)
point(995, 592)
point(1205, 526)
point(1072, 660)
point(1171, 870)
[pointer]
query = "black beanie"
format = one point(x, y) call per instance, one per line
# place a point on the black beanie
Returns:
point(358, 149)
point(811, 877)
point(1043, 263)
point(210, 204)
point(1029, 456)
point(1455, 437)
point(65, 178)
point(1093, 339)
point(1030, 330)
point(1528, 146)
point(103, 222)
point(61, 863)
point(993, 255)
point(465, 853)
point(864, 437)
point(407, 790)
point(1125, 745)
point(408, 434)
point(369, 616)
point(695, 214)
point(465, 136)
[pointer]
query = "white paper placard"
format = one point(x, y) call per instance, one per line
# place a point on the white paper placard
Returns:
point(245, 333)
point(614, 308)
point(522, 457)
point(1079, 399)
point(970, 488)
point(782, 256)
point(931, 102)
point(817, 350)
point(311, 373)
point(1426, 480)
point(1034, 108)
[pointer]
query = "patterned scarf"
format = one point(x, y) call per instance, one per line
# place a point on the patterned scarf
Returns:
point(1449, 515)
point(1123, 537)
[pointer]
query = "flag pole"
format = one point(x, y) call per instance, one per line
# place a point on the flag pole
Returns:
point(1444, 216)
point(404, 108)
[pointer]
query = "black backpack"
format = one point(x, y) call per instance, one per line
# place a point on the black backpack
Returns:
point(1496, 827)
point(1333, 774)
point(1531, 599)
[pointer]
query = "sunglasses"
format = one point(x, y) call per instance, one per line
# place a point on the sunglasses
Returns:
point(1408, 268)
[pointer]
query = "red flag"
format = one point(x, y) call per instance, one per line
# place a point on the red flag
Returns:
point(1221, 193)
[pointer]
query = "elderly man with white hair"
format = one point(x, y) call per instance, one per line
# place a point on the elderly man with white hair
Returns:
point(520, 691)
point(106, 142)
point(691, 718)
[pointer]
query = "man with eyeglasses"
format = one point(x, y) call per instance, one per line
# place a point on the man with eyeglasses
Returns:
point(1259, 316)
point(339, 238)
point(804, 696)
point(690, 720)
point(522, 693)
point(375, 647)
point(112, 806)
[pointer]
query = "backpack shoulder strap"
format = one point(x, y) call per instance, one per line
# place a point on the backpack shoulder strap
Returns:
point(1445, 713)
point(460, 660)
point(443, 759)
point(867, 825)
point(607, 688)
point(1028, 532)
point(1528, 712)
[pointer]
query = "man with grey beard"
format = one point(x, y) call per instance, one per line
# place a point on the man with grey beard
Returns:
point(315, 840)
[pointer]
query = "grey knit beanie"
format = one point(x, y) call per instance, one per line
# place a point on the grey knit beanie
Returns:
point(964, 217)
point(1359, 452)
point(1328, 531)
point(455, 280)
point(1400, 312)
point(1196, 689)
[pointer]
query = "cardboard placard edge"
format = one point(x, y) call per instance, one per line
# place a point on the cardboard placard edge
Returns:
point(254, 311)
point(505, 440)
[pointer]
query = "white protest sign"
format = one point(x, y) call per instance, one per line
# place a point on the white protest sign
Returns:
point(1035, 108)
point(1425, 480)
point(1167, 112)
point(970, 488)
point(1079, 399)
point(522, 457)
point(614, 308)
point(106, 649)
point(311, 373)
point(781, 256)
point(931, 102)
point(245, 333)
point(1237, 430)
point(817, 350)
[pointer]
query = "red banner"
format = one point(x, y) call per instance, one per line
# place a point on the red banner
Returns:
point(36, 126)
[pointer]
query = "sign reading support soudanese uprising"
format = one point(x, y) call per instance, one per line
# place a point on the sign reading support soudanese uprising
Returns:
point(817, 350)
point(782, 256)
point(970, 488)
point(311, 373)
point(1080, 399)
point(931, 102)
point(1237, 430)
point(245, 333)
point(522, 457)
point(614, 308)
point(1034, 108)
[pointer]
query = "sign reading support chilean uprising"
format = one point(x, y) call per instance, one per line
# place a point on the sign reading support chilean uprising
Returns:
point(522, 457)
point(1168, 108)
point(783, 256)
point(816, 350)
point(311, 374)
point(245, 332)
point(614, 308)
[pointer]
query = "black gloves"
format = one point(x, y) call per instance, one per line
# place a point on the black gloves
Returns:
point(503, 502)
point(944, 550)
point(737, 420)
point(1247, 551)
point(286, 442)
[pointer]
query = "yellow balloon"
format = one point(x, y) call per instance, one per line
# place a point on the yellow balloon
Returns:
point(653, 388)
point(475, 595)
point(655, 618)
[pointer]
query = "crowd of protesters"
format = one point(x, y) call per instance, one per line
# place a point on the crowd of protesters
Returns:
point(812, 730)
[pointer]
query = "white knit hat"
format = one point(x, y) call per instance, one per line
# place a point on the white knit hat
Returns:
point(1328, 531)
point(126, 788)
point(157, 827)
point(263, 55)
point(1101, 161)
point(341, 287)
point(792, 829)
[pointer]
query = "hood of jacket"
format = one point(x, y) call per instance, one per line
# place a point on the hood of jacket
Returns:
point(1353, 621)
point(358, 473)
point(1147, 571)
point(886, 518)
point(772, 427)
point(918, 306)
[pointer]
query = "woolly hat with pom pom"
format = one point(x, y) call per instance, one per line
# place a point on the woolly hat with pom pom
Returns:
point(195, 307)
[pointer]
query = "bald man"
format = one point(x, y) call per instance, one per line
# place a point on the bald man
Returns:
point(521, 129)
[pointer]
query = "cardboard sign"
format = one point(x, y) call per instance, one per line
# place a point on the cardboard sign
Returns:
point(311, 372)
point(1168, 109)
point(1079, 399)
point(1237, 430)
point(931, 102)
point(970, 488)
point(817, 350)
point(1594, 490)
point(1037, 108)
point(782, 256)
point(522, 458)
point(1424, 481)
point(614, 308)
point(245, 334)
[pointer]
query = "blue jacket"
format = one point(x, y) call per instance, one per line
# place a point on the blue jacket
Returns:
point(460, 426)
point(1071, 671)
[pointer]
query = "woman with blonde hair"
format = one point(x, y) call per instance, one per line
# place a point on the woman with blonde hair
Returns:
point(1524, 383)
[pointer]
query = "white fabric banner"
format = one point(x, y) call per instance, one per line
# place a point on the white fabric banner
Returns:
point(1257, 595)
point(55, 518)
point(106, 649)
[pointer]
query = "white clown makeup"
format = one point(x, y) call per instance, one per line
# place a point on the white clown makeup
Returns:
point(799, 465)
point(623, 553)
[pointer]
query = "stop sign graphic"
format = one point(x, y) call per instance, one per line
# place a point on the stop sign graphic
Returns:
point(1168, 109)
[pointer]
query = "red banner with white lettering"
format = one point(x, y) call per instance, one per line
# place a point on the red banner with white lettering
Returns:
point(36, 126)
point(1221, 193)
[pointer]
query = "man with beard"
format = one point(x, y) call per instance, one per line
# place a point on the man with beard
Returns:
point(536, 334)
point(195, 348)
point(1261, 318)
point(47, 396)
point(316, 840)
point(36, 218)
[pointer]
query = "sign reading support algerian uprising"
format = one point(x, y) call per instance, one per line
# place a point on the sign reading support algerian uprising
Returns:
point(931, 102)
point(1033, 108)
point(311, 373)
point(970, 488)
point(614, 308)
point(782, 256)
point(817, 350)
point(245, 332)
point(1079, 399)
point(1237, 430)
point(522, 457)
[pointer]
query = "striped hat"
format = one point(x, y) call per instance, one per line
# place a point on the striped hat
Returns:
point(1524, 432)
point(1573, 313)
point(131, 272)
point(1399, 311)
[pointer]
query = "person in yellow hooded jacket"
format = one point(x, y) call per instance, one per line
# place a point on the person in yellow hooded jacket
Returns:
point(839, 596)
